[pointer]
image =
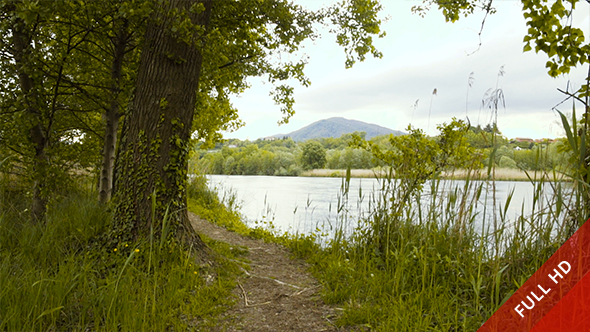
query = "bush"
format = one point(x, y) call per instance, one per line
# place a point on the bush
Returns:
point(507, 162)
point(313, 155)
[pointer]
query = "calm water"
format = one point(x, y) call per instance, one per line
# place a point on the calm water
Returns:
point(306, 204)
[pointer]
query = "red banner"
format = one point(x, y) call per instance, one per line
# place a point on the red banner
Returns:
point(556, 297)
point(572, 313)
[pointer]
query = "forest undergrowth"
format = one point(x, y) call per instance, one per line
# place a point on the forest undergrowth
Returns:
point(59, 276)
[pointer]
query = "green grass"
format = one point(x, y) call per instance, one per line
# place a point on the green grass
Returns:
point(57, 277)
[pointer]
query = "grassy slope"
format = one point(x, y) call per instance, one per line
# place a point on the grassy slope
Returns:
point(57, 277)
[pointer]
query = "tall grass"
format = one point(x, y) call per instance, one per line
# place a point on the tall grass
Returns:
point(58, 276)
point(436, 261)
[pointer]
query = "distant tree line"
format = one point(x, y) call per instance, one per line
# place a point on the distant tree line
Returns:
point(285, 157)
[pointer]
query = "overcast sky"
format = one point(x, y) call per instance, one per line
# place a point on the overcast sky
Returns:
point(420, 55)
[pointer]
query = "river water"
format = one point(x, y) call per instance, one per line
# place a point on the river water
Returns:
point(311, 204)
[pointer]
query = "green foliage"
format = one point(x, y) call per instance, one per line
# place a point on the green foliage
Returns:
point(578, 148)
point(259, 158)
point(313, 155)
point(342, 153)
point(506, 162)
point(482, 139)
point(207, 204)
point(282, 157)
point(353, 158)
point(348, 16)
point(551, 30)
point(416, 158)
point(453, 10)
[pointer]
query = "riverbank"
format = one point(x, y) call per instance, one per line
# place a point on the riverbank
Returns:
point(499, 174)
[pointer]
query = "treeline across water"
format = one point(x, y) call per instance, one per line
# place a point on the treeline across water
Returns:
point(285, 157)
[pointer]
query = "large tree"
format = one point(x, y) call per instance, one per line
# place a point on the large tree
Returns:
point(222, 42)
point(313, 155)
point(154, 143)
point(70, 68)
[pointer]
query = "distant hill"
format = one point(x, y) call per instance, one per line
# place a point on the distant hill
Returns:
point(336, 127)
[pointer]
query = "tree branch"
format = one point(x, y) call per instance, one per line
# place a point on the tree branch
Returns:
point(572, 96)
point(233, 62)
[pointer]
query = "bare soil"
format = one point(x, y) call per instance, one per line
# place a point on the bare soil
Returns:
point(277, 293)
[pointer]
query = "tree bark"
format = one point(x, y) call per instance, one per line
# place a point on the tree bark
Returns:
point(112, 116)
point(153, 150)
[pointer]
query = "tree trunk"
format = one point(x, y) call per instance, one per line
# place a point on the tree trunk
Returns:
point(21, 51)
point(153, 151)
point(112, 117)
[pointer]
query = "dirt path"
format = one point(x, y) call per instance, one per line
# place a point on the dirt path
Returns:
point(276, 294)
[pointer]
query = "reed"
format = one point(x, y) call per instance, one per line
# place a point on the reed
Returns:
point(435, 259)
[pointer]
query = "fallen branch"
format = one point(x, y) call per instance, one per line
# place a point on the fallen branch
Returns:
point(244, 292)
point(248, 305)
point(275, 280)
point(303, 290)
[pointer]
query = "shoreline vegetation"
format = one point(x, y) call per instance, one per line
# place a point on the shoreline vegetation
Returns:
point(456, 283)
point(500, 174)
point(472, 148)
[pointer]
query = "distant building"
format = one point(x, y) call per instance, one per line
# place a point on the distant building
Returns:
point(269, 138)
point(524, 139)
point(545, 140)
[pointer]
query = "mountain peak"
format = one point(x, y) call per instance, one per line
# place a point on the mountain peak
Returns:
point(336, 127)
